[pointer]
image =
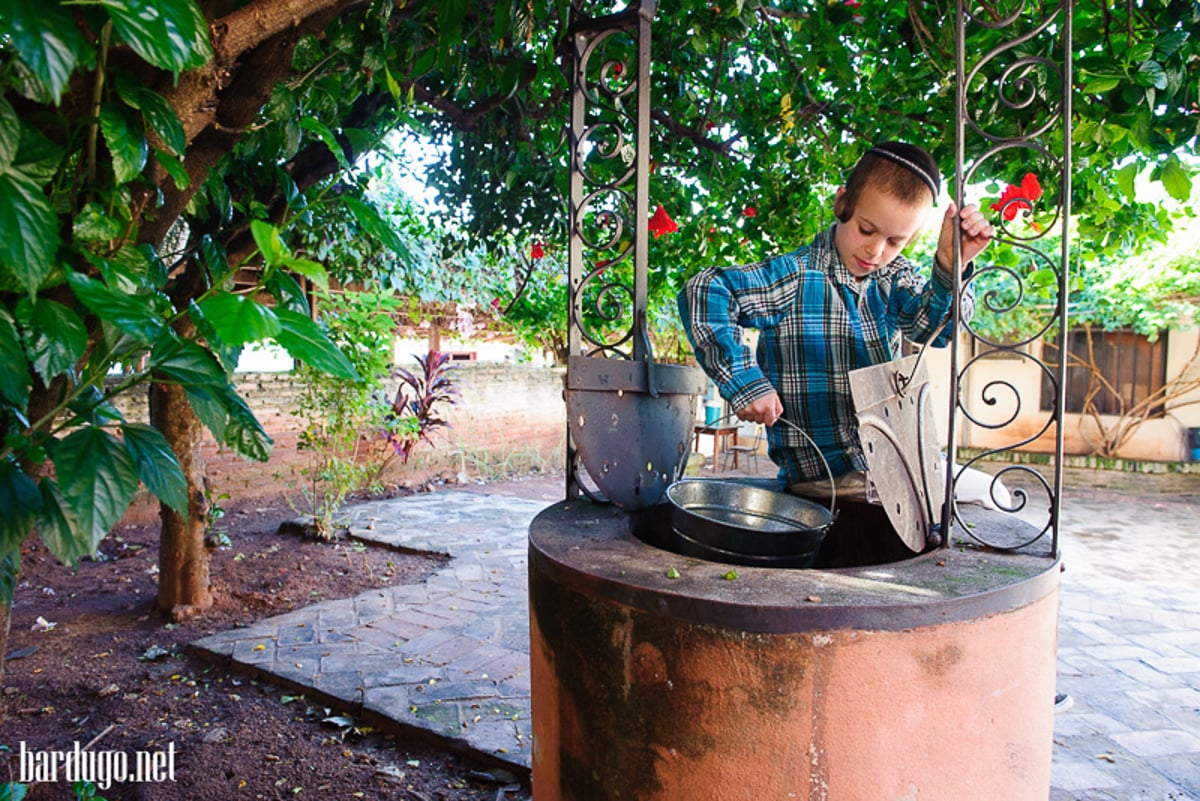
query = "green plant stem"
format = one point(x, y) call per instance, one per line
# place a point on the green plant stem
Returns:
point(93, 133)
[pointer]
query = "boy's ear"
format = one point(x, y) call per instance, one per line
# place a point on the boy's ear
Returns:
point(839, 205)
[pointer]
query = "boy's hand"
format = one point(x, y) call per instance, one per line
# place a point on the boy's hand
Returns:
point(765, 410)
point(976, 233)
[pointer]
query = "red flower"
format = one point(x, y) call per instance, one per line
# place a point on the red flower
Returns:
point(709, 125)
point(537, 251)
point(661, 223)
point(1017, 198)
point(495, 304)
point(853, 3)
point(749, 211)
point(618, 68)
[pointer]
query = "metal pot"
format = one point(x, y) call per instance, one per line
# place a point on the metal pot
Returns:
point(740, 523)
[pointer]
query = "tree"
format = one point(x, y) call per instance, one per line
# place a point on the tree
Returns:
point(156, 157)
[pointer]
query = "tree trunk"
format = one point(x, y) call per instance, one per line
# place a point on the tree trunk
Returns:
point(183, 580)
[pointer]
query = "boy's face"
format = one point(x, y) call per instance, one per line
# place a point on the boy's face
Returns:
point(878, 229)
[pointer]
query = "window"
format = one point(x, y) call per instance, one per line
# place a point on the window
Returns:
point(1131, 366)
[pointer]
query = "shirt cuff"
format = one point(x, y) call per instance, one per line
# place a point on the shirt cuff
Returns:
point(945, 279)
point(742, 394)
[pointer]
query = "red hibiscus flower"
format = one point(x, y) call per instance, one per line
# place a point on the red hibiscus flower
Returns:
point(537, 251)
point(749, 211)
point(1016, 198)
point(661, 223)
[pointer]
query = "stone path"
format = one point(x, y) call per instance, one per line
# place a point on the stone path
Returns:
point(450, 657)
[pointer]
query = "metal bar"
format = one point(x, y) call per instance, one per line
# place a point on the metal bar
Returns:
point(960, 92)
point(641, 231)
point(1064, 278)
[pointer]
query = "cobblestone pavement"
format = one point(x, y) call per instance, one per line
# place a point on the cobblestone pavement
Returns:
point(450, 657)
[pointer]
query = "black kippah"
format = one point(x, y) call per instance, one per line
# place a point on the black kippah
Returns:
point(930, 180)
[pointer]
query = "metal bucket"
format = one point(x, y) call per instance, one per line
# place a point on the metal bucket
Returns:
point(739, 523)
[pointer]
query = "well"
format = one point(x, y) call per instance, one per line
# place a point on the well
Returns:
point(927, 678)
point(658, 675)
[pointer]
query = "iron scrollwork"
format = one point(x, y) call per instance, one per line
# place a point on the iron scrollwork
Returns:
point(1014, 110)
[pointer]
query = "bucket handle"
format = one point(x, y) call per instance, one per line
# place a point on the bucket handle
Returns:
point(824, 461)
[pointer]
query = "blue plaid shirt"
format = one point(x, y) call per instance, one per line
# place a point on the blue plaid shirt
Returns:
point(817, 323)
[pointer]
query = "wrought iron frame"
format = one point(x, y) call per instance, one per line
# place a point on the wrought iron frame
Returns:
point(1021, 85)
point(608, 216)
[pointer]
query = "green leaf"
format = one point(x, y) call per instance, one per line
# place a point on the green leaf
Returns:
point(47, 39)
point(186, 363)
point(55, 337)
point(92, 224)
point(156, 465)
point(288, 293)
point(270, 244)
point(1098, 85)
point(156, 111)
point(30, 229)
point(97, 479)
point(1176, 179)
point(244, 433)
point(59, 528)
point(21, 501)
point(174, 168)
point(209, 409)
point(170, 34)
point(10, 134)
point(309, 269)
point(126, 142)
point(15, 381)
point(1125, 180)
point(325, 135)
point(238, 320)
point(139, 316)
point(369, 219)
point(305, 340)
point(215, 259)
point(392, 86)
point(10, 566)
point(1151, 73)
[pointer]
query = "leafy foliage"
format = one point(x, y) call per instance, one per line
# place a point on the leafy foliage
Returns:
point(154, 225)
point(340, 413)
point(415, 413)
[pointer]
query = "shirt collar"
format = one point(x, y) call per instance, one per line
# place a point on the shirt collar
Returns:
point(831, 262)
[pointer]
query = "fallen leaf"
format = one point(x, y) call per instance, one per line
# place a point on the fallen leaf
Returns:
point(813, 599)
point(672, 573)
point(1106, 757)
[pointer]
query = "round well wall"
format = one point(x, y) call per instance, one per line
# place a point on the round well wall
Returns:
point(660, 676)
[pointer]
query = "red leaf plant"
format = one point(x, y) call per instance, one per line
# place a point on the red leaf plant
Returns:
point(661, 223)
point(414, 414)
point(1016, 198)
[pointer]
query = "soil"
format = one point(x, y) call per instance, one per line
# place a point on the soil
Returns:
point(91, 661)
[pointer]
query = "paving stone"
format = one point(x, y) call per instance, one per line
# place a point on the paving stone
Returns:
point(1128, 640)
point(1159, 742)
point(1073, 774)
point(1144, 674)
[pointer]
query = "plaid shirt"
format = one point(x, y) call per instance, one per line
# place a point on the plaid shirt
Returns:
point(817, 323)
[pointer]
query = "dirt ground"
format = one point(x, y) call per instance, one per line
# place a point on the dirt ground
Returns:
point(90, 662)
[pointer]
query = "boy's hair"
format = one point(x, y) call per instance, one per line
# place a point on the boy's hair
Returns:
point(904, 171)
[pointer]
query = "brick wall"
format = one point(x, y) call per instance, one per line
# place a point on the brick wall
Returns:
point(510, 419)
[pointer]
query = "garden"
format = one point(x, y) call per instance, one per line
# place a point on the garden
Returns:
point(182, 180)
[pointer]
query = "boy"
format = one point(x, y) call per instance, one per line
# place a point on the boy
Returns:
point(840, 303)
